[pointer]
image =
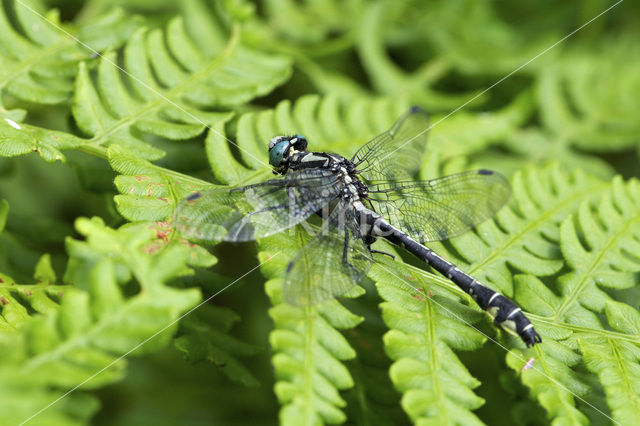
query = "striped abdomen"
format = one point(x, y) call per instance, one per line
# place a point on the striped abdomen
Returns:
point(504, 311)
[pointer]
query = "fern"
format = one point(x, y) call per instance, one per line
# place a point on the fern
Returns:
point(172, 86)
point(533, 224)
point(215, 74)
point(168, 90)
point(597, 245)
point(20, 139)
point(308, 348)
point(84, 327)
point(435, 384)
point(38, 62)
point(592, 113)
point(203, 336)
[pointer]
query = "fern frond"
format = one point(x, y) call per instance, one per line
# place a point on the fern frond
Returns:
point(617, 363)
point(93, 322)
point(552, 379)
point(20, 139)
point(424, 328)
point(203, 336)
point(170, 87)
point(309, 349)
point(524, 233)
point(20, 300)
point(533, 235)
point(148, 192)
point(598, 245)
point(593, 112)
point(38, 62)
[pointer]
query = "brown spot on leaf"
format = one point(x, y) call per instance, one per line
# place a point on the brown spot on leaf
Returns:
point(3, 300)
point(163, 235)
point(28, 293)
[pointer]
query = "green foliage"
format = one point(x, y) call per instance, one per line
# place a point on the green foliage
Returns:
point(89, 322)
point(38, 61)
point(592, 112)
point(307, 344)
point(160, 99)
point(169, 85)
point(424, 331)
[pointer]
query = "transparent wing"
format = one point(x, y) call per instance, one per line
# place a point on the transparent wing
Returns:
point(255, 211)
point(438, 209)
point(395, 154)
point(330, 265)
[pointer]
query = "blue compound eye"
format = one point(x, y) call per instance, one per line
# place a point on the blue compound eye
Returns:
point(279, 152)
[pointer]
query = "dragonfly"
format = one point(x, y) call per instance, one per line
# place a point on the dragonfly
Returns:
point(371, 196)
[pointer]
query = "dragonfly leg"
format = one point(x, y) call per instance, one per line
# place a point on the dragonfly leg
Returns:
point(382, 252)
point(368, 240)
point(345, 261)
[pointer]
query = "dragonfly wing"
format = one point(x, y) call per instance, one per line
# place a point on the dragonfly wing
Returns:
point(397, 153)
point(439, 209)
point(255, 211)
point(330, 265)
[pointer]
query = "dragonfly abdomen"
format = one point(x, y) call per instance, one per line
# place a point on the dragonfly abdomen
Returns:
point(504, 311)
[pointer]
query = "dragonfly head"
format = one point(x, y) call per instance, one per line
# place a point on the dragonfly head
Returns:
point(280, 147)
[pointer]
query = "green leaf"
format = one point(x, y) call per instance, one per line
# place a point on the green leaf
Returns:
point(166, 87)
point(19, 139)
point(524, 234)
point(616, 362)
point(80, 340)
point(595, 244)
point(38, 61)
point(308, 348)
point(424, 328)
point(593, 113)
point(203, 337)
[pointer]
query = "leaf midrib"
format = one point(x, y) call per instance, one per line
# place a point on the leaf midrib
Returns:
point(569, 409)
point(532, 225)
point(596, 260)
point(431, 336)
point(25, 65)
point(167, 97)
point(623, 368)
